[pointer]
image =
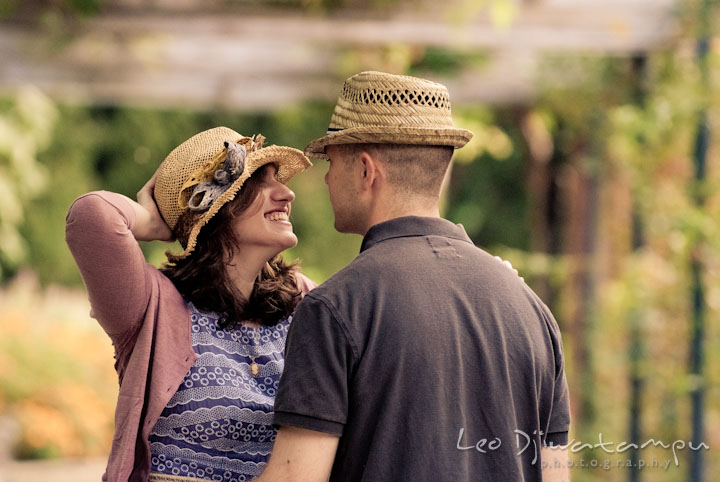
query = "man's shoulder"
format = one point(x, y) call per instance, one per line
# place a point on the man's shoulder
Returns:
point(337, 281)
point(349, 280)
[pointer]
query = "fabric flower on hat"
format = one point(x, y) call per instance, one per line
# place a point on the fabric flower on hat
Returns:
point(209, 182)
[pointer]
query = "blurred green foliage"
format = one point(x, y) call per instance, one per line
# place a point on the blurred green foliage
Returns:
point(26, 126)
point(630, 125)
point(118, 149)
point(487, 189)
point(446, 62)
point(84, 7)
point(52, 11)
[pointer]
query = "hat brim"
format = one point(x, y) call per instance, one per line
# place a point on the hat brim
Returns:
point(289, 162)
point(448, 136)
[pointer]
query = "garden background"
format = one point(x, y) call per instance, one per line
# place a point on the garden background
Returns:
point(594, 169)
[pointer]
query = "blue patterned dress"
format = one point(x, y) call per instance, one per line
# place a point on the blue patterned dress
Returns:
point(218, 425)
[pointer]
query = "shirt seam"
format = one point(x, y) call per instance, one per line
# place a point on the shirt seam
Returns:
point(339, 320)
point(305, 415)
point(424, 235)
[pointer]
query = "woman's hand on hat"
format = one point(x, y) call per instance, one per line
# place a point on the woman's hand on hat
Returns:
point(149, 224)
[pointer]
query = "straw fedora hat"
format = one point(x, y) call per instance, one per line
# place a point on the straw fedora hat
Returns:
point(206, 171)
point(380, 108)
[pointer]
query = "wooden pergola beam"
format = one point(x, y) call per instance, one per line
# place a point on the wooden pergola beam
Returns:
point(259, 61)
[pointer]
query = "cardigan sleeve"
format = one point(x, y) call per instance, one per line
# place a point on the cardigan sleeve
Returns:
point(304, 284)
point(98, 233)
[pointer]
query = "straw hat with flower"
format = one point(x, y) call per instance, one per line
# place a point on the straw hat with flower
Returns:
point(380, 108)
point(206, 171)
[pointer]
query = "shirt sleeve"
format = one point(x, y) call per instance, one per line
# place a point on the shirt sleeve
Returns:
point(313, 390)
point(556, 438)
point(98, 233)
point(559, 422)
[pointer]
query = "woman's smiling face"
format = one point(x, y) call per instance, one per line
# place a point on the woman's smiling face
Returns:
point(266, 222)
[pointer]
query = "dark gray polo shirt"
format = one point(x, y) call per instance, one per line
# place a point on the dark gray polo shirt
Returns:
point(430, 359)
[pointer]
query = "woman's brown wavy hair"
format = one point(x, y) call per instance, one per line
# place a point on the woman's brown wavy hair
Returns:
point(202, 278)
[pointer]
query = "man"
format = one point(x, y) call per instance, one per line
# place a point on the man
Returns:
point(425, 358)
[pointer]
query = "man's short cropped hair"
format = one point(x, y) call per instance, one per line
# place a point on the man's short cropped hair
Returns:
point(412, 169)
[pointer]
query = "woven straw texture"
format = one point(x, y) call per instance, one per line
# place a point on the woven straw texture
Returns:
point(195, 153)
point(376, 107)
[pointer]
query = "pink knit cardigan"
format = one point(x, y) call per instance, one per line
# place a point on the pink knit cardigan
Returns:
point(145, 317)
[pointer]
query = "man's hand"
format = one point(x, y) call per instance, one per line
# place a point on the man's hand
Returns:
point(300, 455)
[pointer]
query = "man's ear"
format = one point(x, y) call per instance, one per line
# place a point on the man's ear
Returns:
point(371, 171)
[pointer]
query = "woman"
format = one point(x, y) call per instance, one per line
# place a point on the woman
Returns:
point(198, 344)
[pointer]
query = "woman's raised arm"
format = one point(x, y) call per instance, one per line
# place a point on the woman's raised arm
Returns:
point(102, 230)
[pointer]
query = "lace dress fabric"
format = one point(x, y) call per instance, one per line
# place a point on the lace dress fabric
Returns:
point(218, 425)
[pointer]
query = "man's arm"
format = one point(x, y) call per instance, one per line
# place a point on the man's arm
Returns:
point(300, 455)
point(554, 461)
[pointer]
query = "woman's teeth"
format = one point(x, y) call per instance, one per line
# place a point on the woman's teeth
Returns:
point(277, 216)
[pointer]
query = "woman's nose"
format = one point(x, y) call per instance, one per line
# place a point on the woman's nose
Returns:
point(283, 193)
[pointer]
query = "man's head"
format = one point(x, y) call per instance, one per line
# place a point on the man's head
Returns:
point(370, 182)
point(390, 141)
point(412, 170)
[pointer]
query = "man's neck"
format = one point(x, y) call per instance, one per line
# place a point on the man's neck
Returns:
point(422, 207)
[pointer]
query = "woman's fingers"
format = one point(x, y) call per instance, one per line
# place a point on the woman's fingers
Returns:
point(146, 193)
point(509, 265)
point(156, 225)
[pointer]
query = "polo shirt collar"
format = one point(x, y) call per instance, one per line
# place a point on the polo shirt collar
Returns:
point(409, 226)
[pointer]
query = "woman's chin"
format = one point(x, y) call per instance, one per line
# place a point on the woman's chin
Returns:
point(290, 242)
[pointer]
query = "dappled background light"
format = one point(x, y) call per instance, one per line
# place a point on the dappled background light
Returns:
point(590, 120)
